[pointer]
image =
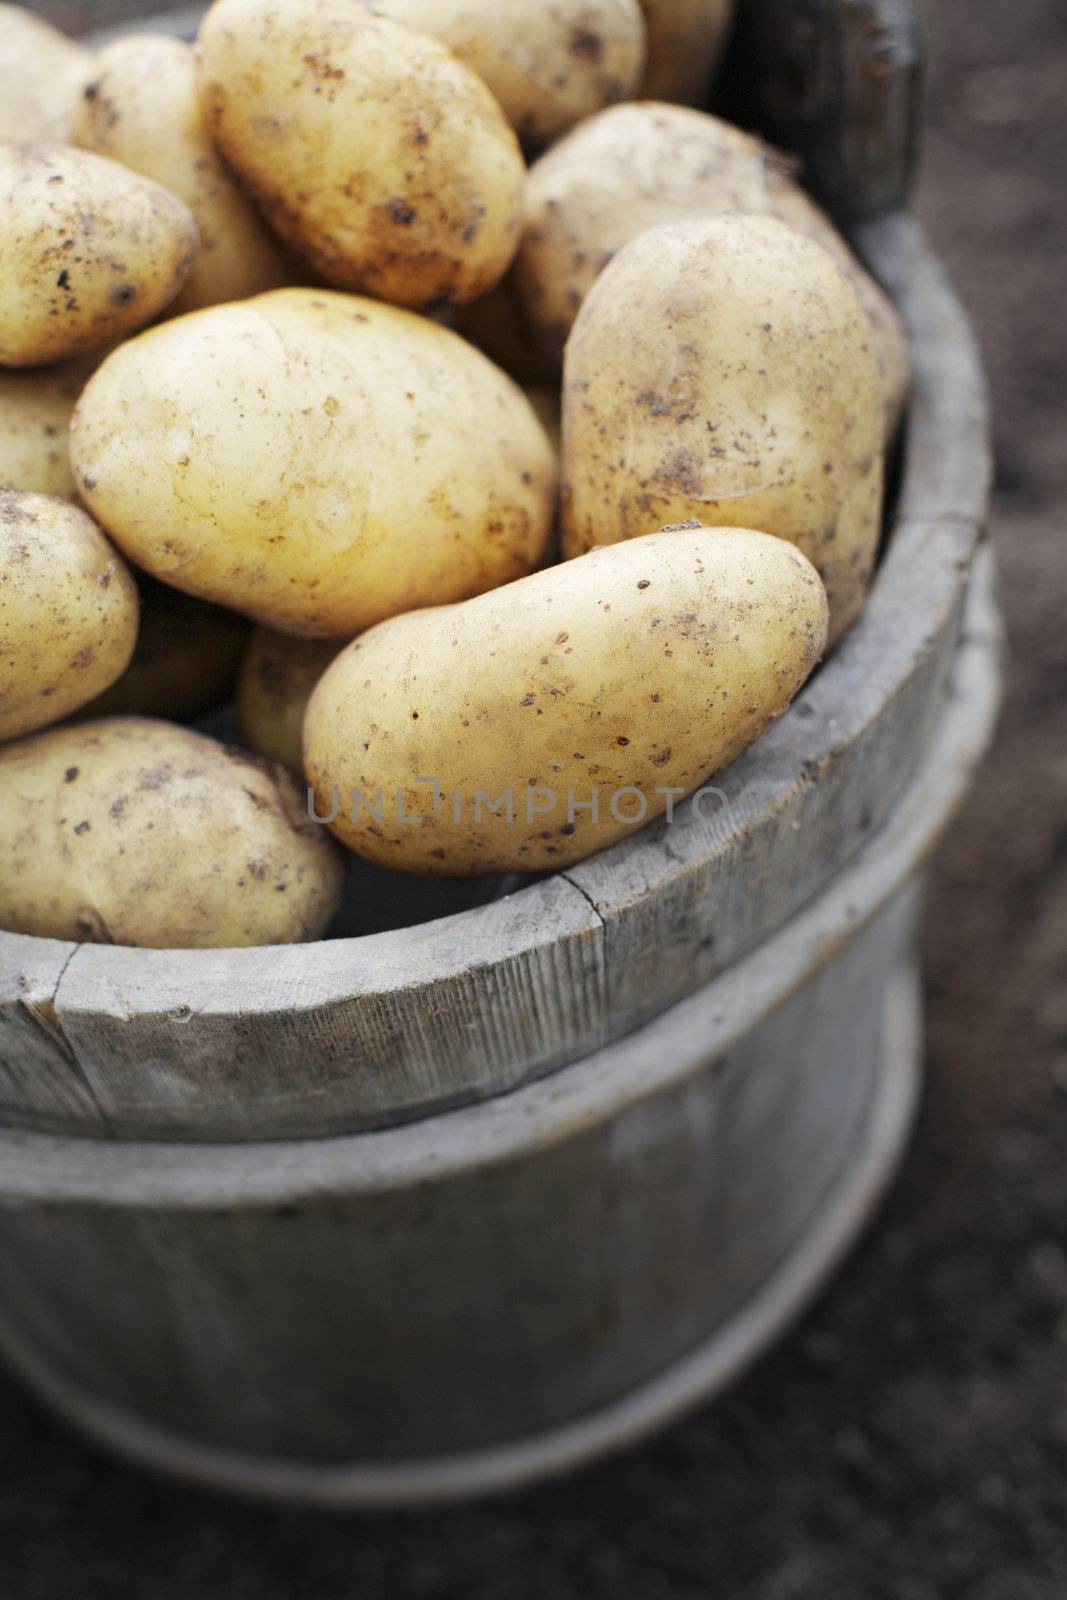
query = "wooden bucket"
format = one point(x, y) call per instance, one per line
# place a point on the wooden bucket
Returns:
point(504, 1291)
point(440, 1208)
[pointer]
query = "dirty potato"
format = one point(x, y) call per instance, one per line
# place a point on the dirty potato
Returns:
point(140, 107)
point(474, 738)
point(686, 40)
point(68, 611)
point(317, 461)
point(722, 368)
point(375, 153)
point(35, 412)
point(184, 662)
point(42, 72)
point(277, 676)
point(638, 165)
point(549, 66)
point(135, 832)
point(89, 251)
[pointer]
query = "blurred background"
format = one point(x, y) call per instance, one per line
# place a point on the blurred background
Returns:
point(909, 1440)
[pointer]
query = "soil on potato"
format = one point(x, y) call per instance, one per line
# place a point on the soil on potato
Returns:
point(909, 1440)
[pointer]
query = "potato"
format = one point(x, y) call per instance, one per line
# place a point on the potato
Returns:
point(131, 831)
point(722, 369)
point(184, 662)
point(89, 251)
point(314, 460)
point(549, 66)
point(141, 108)
point(686, 40)
point(35, 412)
point(385, 161)
point(638, 165)
point(277, 676)
point(42, 72)
point(633, 673)
point(891, 353)
point(68, 611)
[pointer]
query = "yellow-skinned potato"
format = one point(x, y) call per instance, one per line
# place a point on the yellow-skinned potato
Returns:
point(686, 39)
point(89, 251)
point(141, 108)
point(635, 166)
point(184, 662)
point(68, 611)
point(42, 72)
point(722, 369)
point(637, 671)
point(549, 65)
point(314, 460)
point(35, 412)
point(277, 676)
point(891, 354)
point(375, 153)
point(135, 832)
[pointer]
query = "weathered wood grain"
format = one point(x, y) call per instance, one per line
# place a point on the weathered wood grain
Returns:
point(699, 1375)
point(245, 1044)
point(542, 1282)
point(41, 1085)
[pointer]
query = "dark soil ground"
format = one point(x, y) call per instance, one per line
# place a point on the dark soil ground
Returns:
point(909, 1441)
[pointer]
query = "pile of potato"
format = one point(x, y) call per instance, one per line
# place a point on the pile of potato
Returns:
point(503, 433)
